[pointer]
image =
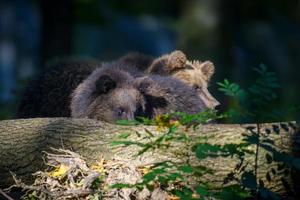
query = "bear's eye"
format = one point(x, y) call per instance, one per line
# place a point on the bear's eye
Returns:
point(196, 87)
point(139, 112)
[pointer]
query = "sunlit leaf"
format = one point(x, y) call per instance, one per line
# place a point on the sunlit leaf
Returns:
point(186, 169)
point(120, 185)
point(59, 171)
point(201, 190)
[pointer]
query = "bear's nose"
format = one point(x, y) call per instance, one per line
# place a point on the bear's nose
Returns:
point(123, 114)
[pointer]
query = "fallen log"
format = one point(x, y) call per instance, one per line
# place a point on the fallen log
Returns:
point(23, 141)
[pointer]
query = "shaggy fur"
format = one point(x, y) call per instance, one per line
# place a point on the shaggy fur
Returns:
point(48, 95)
point(163, 65)
point(107, 94)
point(197, 75)
point(166, 94)
point(105, 91)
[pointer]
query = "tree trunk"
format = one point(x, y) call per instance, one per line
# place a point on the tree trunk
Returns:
point(23, 141)
point(57, 23)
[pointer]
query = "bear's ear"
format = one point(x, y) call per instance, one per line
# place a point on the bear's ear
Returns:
point(104, 84)
point(143, 84)
point(148, 86)
point(143, 87)
point(152, 93)
point(207, 68)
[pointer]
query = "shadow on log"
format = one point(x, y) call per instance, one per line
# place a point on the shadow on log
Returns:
point(23, 141)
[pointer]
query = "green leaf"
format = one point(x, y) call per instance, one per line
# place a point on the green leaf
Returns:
point(282, 157)
point(149, 177)
point(174, 176)
point(124, 135)
point(234, 192)
point(186, 169)
point(233, 149)
point(252, 139)
point(226, 81)
point(184, 194)
point(127, 122)
point(249, 180)
point(268, 141)
point(269, 158)
point(153, 174)
point(159, 171)
point(139, 187)
point(162, 180)
point(187, 191)
point(149, 133)
point(144, 149)
point(261, 183)
point(267, 194)
point(126, 143)
point(281, 166)
point(145, 121)
point(273, 171)
point(201, 190)
point(202, 170)
point(120, 186)
point(268, 177)
point(207, 150)
point(149, 187)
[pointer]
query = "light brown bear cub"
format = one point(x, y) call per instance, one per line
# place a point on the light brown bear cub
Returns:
point(196, 74)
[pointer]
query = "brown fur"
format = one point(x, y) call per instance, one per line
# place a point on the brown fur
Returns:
point(105, 91)
point(195, 74)
point(48, 94)
point(166, 64)
point(198, 74)
point(166, 94)
point(146, 96)
point(107, 94)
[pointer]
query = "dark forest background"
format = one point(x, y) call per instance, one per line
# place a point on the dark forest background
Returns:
point(236, 35)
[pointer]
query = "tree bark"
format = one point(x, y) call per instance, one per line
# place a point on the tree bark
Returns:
point(23, 141)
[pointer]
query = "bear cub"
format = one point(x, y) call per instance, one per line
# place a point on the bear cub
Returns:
point(105, 91)
point(196, 74)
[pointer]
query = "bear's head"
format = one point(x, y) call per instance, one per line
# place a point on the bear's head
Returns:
point(197, 75)
point(108, 95)
point(165, 94)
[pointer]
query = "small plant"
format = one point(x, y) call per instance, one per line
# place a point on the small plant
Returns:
point(257, 104)
point(174, 177)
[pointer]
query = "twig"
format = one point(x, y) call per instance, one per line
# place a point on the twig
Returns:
point(5, 195)
point(256, 158)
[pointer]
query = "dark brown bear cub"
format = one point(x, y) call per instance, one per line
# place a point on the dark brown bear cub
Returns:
point(48, 94)
point(105, 92)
